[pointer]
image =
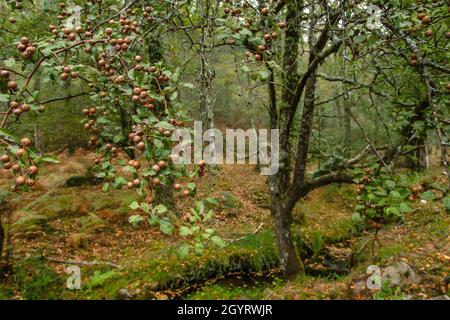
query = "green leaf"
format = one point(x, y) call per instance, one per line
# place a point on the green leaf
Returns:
point(183, 251)
point(160, 208)
point(7, 135)
point(185, 231)
point(99, 278)
point(4, 97)
point(135, 205)
point(188, 85)
point(166, 227)
point(191, 186)
point(10, 62)
point(134, 220)
point(428, 195)
point(264, 75)
point(446, 202)
point(218, 241)
point(105, 187)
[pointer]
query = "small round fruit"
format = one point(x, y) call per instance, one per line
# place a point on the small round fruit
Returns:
point(202, 163)
point(265, 11)
point(186, 193)
point(24, 40)
point(156, 181)
point(162, 164)
point(64, 76)
point(136, 182)
point(5, 158)
point(32, 170)
point(429, 33)
point(140, 146)
point(5, 74)
point(421, 15)
point(136, 164)
point(12, 85)
point(156, 168)
point(426, 20)
point(282, 25)
point(20, 152)
point(26, 142)
point(31, 182)
point(177, 186)
point(20, 181)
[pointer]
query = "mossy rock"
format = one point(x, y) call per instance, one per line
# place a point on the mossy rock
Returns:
point(230, 201)
point(77, 181)
point(119, 201)
point(53, 205)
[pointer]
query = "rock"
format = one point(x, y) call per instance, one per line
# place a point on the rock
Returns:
point(77, 181)
point(400, 274)
point(444, 297)
point(230, 200)
point(124, 294)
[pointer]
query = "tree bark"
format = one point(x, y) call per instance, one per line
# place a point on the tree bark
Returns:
point(290, 261)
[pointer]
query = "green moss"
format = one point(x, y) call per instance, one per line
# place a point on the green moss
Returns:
point(33, 280)
point(53, 205)
point(30, 222)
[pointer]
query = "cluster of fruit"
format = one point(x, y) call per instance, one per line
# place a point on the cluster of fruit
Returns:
point(67, 73)
point(366, 179)
point(257, 52)
point(427, 20)
point(26, 48)
point(416, 191)
point(90, 125)
point(24, 175)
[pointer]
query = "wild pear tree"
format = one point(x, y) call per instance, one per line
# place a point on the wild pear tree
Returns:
point(103, 46)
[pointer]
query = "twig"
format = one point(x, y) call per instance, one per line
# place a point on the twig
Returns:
point(246, 236)
point(83, 263)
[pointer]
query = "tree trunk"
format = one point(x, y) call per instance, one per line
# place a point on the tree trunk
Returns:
point(164, 193)
point(2, 238)
point(422, 155)
point(290, 262)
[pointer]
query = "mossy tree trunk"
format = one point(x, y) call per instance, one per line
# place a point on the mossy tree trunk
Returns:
point(291, 183)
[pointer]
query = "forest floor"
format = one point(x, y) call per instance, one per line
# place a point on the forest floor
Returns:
point(54, 225)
